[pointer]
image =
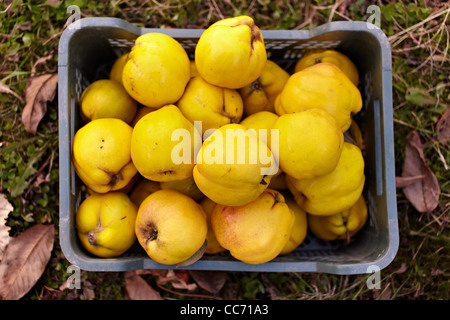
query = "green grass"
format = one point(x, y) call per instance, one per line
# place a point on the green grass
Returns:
point(421, 70)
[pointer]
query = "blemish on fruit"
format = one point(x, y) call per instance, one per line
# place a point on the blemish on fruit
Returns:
point(263, 182)
point(115, 177)
point(92, 238)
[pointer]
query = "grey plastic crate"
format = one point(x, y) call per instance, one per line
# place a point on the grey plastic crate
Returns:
point(87, 53)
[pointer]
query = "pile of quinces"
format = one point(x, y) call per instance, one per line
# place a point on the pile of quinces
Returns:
point(226, 152)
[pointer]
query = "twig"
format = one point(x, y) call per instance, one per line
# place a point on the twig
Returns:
point(217, 9)
point(397, 35)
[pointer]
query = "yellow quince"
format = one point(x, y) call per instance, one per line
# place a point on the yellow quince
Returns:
point(322, 86)
point(107, 99)
point(212, 105)
point(257, 231)
point(142, 190)
point(333, 192)
point(233, 166)
point(163, 145)
point(260, 94)
point(117, 68)
point(337, 58)
point(101, 154)
point(310, 143)
point(340, 226)
point(300, 227)
point(157, 70)
point(262, 122)
point(105, 223)
point(231, 53)
point(212, 245)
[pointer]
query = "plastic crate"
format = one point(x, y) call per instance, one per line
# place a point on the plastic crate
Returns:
point(87, 53)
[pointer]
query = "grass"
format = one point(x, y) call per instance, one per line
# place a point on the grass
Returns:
point(418, 32)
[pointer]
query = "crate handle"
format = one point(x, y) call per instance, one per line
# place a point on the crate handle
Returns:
point(378, 146)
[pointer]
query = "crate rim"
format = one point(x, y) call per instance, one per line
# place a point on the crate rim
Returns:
point(306, 266)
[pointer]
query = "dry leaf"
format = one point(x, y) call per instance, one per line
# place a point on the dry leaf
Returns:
point(402, 182)
point(138, 289)
point(48, 293)
point(88, 290)
point(402, 269)
point(5, 89)
point(24, 261)
point(5, 209)
point(443, 128)
point(40, 61)
point(177, 280)
point(39, 91)
point(211, 281)
point(424, 193)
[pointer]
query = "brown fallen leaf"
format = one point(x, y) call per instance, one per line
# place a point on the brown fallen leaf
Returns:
point(177, 280)
point(5, 209)
point(402, 182)
point(138, 289)
point(424, 193)
point(211, 281)
point(443, 128)
point(48, 293)
point(88, 290)
point(39, 90)
point(41, 60)
point(24, 261)
point(402, 269)
point(5, 89)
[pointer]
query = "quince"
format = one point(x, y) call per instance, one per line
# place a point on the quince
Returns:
point(262, 122)
point(213, 106)
point(157, 70)
point(194, 71)
point(142, 190)
point(260, 94)
point(337, 58)
point(155, 148)
point(322, 86)
point(310, 143)
point(107, 99)
point(186, 186)
point(233, 166)
point(231, 53)
point(213, 246)
point(170, 226)
point(257, 231)
point(105, 223)
point(278, 182)
point(342, 225)
point(142, 111)
point(333, 192)
point(300, 227)
point(117, 68)
point(101, 154)
point(355, 135)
